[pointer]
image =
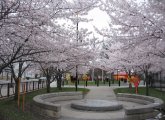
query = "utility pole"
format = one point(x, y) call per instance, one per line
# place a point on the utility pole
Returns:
point(77, 37)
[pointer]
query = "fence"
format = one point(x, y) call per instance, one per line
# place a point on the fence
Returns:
point(7, 88)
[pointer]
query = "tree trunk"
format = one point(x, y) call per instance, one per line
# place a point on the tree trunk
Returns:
point(59, 80)
point(17, 79)
point(1, 70)
point(98, 82)
point(76, 81)
point(119, 82)
point(48, 84)
point(109, 81)
point(59, 83)
point(48, 88)
point(86, 83)
point(147, 83)
point(16, 89)
point(130, 85)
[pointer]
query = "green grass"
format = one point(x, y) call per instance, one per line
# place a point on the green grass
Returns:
point(92, 83)
point(142, 91)
point(10, 111)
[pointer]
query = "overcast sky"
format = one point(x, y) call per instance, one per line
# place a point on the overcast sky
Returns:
point(100, 20)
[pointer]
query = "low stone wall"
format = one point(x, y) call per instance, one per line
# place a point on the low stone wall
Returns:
point(44, 105)
point(147, 109)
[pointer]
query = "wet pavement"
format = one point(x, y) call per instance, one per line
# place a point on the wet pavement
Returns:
point(96, 93)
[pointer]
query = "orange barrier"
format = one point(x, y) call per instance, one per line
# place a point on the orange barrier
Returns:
point(133, 79)
point(119, 77)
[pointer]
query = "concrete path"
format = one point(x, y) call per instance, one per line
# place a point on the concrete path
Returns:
point(101, 93)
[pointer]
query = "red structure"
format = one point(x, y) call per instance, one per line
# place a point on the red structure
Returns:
point(121, 76)
point(132, 79)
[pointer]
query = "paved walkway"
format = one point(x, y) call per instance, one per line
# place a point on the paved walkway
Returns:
point(101, 93)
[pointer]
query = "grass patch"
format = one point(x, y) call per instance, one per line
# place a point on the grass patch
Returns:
point(93, 83)
point(10, 111)
point(142, 91)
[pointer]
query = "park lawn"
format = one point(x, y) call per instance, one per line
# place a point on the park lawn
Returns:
point(142, 91)
point(10, 111)
point(93, 83)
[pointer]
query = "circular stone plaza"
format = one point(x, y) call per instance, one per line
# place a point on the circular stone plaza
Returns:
point(99, 104)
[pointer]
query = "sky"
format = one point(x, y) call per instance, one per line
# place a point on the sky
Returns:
point(100, 20)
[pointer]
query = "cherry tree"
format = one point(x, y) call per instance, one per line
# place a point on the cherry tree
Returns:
point(29, 29)
point(65, 54)
point(18, 29)
point(26, 25)
point(138, 28)
point(21, 29)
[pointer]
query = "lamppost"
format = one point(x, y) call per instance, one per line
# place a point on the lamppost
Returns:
point(77, 37)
